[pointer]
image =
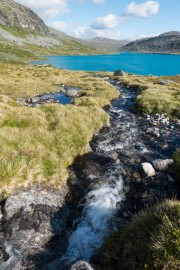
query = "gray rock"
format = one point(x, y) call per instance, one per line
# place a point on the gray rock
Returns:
point(81, 265)
point(165, 82)
point(72, 93)
point(33, 218)
point(120, 73)
point(35, 99)
point(153, 131)
point(147, 169)
point(106, 78)
point(162, 164)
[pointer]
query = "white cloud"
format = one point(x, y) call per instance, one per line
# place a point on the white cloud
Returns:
point(142, 10)
point(47, 8)
point(108, 22)
point(85, 32)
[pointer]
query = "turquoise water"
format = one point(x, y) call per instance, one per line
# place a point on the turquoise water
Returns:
point(137, 63)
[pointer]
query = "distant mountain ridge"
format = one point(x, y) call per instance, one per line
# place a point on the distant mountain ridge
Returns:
point(168, 42)
point(106, 44)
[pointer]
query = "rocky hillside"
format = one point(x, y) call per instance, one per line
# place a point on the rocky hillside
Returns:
point(16, 15)
point(165, 43)
point(24, 35)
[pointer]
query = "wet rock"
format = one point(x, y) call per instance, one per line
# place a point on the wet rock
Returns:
point(91, 165)
point(162, 164)
point(147, 169)
point(33, 218)
point(81, 265)
point(153, 131)
point(120, 73)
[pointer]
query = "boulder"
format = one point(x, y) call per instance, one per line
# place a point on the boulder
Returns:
point(72, 93)
point(33, 218)
point(147, 169)
point(162, 164)
point(153, 131)
point(81, 265)
point(120, 73)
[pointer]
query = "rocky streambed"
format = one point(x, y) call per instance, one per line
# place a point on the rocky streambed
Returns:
point(128, 169)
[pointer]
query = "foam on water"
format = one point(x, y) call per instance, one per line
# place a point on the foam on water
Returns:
point(99, 208)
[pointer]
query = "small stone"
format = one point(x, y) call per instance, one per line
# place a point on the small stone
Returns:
point(35, 99)
point(106, 78)
point(147, 169)
point(137, 176)
point(162, 164)
point(81, 265)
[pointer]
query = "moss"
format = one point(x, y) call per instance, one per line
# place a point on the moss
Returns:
point(150, 241)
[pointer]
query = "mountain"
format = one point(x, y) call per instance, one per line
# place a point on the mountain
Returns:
point(165, 43)
point(23, 34)
point(105, 44)
point(15, 15)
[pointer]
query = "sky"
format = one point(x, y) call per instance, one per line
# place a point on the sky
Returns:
point(117, 19)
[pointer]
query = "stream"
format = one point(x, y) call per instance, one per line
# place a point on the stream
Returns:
point(105, 189)
point(108, 186)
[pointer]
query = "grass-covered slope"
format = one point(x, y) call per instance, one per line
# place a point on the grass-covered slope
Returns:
point(151, 241)
point(156, 98)
point(38, 144)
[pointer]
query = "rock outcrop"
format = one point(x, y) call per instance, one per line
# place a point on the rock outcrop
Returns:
point(15, 15)
point(166, 43)
point(30, 220)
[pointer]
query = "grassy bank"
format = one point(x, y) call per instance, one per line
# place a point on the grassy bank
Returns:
point(154, 97)
point(150, 241)
point(38, 144)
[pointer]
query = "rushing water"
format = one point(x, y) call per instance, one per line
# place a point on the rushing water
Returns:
point(106, 193)
point(137, 63)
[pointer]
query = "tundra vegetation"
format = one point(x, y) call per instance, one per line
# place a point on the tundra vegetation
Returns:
point(150, 241)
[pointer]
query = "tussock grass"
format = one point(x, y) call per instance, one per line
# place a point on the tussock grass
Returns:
point(39, 144)
point(155, 98)
point(150, 241)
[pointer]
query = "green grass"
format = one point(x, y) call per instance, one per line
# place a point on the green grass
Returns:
point(39, 144)
point(150, 241)
point(154, 98)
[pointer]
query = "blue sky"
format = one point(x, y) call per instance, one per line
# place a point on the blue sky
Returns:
point(119, 19)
